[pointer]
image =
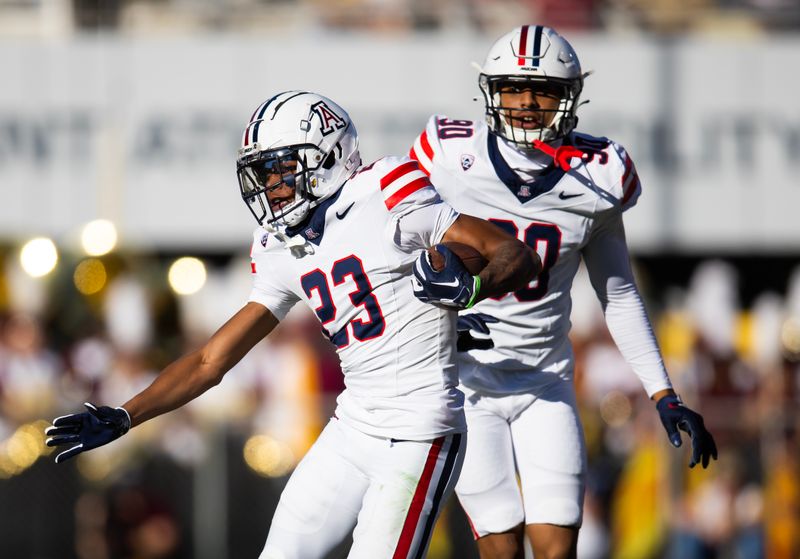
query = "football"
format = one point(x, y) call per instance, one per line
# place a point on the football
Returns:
point(473, 260)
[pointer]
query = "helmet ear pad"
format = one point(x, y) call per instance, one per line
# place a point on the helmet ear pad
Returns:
point(329, 162)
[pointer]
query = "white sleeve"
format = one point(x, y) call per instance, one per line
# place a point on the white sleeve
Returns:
point(425, 222)
point(608, 263)
point(271, 294)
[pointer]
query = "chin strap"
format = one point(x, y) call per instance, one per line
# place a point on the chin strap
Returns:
point(561, 155)
point(297, 245)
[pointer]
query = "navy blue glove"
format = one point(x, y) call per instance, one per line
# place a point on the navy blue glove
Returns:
point(674, 416)
point(452, 286)
point(85, 431)
point(474, 322)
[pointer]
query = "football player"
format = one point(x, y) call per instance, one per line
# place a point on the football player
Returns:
point(343, 239)
point(563, 193)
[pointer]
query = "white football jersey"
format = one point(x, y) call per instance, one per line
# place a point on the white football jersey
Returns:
point(397, 353)
point(557, 214)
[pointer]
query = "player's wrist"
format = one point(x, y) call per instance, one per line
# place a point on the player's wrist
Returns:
point(665, 393)
point(476, 289)
point(126, 423)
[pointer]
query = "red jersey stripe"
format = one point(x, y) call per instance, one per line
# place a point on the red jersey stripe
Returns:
point(417, 502)
point(253, 267)
point(475, 534)
point(628, 165)
point(398, 172)
point(629, 177)
point(413, 186)
point(413, 155)
point(426, 146)
point(631, 190)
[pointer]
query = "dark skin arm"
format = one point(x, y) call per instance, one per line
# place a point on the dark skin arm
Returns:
point(512, 263)
point(661, 393)
point(194, 373)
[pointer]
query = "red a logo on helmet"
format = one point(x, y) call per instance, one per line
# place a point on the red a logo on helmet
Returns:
point(330, 120)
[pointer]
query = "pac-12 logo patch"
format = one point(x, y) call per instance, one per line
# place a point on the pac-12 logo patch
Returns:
point(264, 239)
point(330, 120)
point(466, 161)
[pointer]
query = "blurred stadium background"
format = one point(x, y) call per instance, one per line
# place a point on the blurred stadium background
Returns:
point(123, 242)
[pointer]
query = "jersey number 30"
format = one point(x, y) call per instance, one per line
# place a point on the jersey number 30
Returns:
point(362, 296)
point(545, 239)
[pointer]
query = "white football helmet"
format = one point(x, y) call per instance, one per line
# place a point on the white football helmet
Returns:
point(537, 57)
point(297, 139)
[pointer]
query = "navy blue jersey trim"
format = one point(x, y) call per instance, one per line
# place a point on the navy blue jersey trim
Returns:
point(544, 183)
point(312, 228)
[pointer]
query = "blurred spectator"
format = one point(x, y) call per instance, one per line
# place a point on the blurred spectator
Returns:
point(565, 14)
point(29, 370)
point(782, 499)
point(638, 510)
point(140, 525)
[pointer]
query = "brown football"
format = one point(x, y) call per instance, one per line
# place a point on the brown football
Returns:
point(471, 258)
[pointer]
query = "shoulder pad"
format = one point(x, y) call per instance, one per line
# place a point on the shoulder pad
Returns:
point(423, 148)
point(617, 171)
point(430, 145)
point(628, 179)
point(399, 178)
point(260, 239)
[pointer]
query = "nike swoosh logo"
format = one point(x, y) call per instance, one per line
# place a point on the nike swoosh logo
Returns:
point(564, 196)
point(453, 283)
point(344, 213)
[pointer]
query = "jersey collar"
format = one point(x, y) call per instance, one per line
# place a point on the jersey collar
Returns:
point(522, 190)
point(313, 226)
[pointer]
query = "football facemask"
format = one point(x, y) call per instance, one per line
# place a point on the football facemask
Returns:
point(274, 184)
point(522, 109)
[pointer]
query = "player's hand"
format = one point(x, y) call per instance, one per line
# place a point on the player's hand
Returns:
point(452, 286)
point(84, 431)
point(674, 416)
point(474, 322)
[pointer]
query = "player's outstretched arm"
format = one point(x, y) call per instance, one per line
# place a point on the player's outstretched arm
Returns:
point(182, 381)
point(511, 263)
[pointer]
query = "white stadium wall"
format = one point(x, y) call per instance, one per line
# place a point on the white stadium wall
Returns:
point(145, 132)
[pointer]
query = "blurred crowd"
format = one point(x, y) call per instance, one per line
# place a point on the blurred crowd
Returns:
point(153, 17)
point(227, 454)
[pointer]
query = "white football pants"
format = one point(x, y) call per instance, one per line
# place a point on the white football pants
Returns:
point(388, 493)
point(539, 437)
